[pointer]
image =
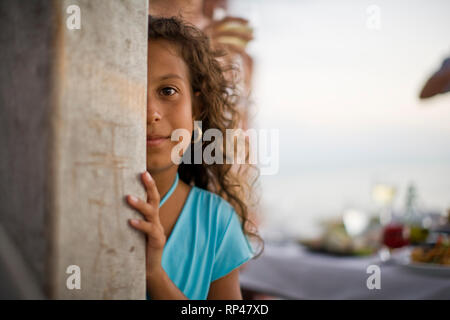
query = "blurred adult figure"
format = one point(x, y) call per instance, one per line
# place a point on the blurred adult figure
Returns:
point(438, 83)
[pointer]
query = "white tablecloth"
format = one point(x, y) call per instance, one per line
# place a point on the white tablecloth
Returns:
point(290, 271)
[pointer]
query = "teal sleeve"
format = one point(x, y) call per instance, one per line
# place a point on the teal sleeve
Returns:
point(233, 249)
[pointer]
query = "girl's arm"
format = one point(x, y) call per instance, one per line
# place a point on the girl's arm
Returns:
point(226, 288)
point(159, 285)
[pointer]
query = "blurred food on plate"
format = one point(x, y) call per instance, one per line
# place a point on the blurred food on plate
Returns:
point(341, 236)
point(439, 253)
point(437, 248)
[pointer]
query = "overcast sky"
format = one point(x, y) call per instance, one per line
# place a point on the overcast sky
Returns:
point(342, 93)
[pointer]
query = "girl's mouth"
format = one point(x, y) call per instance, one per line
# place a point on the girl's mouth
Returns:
point(155, 141)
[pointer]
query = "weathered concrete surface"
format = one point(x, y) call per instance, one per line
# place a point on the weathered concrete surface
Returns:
point(72, 121)
point(25, 42)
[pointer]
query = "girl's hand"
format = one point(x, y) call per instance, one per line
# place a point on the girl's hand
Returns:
point(151, 225)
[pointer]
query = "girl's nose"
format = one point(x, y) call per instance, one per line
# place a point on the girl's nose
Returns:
point(153, 109)
point(153, 116)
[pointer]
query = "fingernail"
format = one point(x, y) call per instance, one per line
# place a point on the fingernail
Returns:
point(148, 176)
point(133, 199)
point(134, 222)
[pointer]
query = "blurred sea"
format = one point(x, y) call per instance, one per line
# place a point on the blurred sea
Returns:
point(296, 199)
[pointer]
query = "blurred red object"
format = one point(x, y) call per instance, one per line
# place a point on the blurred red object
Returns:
point(394, 236)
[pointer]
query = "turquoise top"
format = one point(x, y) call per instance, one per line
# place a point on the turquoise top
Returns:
point(206, 243)
point(171, 190)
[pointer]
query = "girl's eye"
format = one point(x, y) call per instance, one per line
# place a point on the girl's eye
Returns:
point(168, 91)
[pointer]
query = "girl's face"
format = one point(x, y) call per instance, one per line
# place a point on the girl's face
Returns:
point(169, 102)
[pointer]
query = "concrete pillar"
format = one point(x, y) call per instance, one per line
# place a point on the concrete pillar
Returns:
point(72, 143)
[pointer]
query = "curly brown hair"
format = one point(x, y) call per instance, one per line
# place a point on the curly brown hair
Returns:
point(218, 109)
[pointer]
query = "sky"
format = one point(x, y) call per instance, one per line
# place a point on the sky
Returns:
point(344, 97)
point(341, 90)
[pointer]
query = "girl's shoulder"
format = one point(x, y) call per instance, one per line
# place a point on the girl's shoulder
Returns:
point(221, 221)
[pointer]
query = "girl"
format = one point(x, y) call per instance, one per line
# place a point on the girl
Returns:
point(196, 215)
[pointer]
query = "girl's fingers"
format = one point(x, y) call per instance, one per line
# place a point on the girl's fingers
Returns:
point(154, 231)
point(141, 225)
point(152, 191)
point(144, 208)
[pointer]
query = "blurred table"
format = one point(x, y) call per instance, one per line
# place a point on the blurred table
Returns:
point(290, 271)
